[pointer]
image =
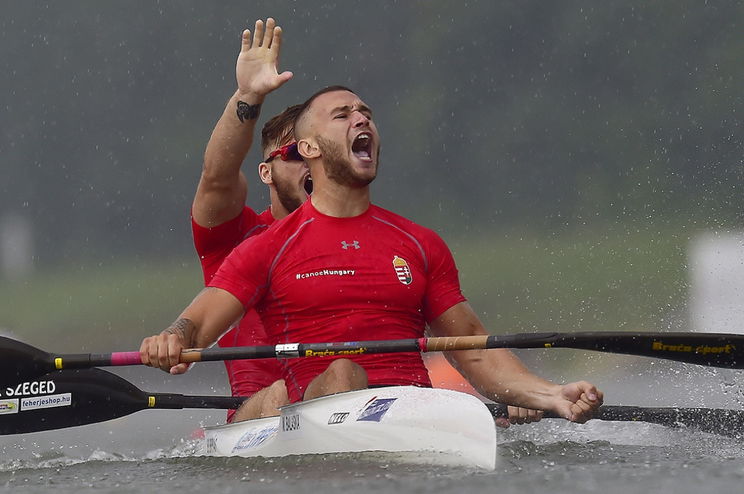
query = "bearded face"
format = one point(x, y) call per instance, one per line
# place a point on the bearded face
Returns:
point(338, 167)
point(288, 194)
point(292, 184)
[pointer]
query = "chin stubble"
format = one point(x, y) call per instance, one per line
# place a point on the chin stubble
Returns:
point(337, 167)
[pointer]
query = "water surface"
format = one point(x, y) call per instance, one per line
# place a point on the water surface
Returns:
point(156, 450)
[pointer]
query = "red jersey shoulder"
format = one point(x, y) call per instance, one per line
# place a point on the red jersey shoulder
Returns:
point(403, 223)
point(256, 225)
point(293, 220)
point(271, 240)
point(230, 233)
point(214, 244)
point(426, 237)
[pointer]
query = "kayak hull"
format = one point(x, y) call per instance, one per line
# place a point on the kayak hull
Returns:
point(419, 424)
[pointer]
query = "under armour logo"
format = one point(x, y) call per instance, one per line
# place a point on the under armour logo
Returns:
point(354, 244)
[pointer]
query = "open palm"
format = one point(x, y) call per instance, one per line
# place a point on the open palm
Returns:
point(256, 68)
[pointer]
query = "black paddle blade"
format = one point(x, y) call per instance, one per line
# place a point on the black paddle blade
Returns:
point(66, 399)
point(713, 349)
point(19, 361)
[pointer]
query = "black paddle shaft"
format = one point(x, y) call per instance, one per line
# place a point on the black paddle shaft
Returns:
point(19, 361)
point(75, 397)
point(721, 421)
point(70, 398)
point(711, 349)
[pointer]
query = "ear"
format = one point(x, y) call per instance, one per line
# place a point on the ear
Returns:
point(264, 173)
point(308, 148)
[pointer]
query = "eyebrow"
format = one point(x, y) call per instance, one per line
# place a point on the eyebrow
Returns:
point(350, 108)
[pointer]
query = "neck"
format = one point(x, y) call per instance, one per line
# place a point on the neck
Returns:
point(340, 201)
point(278, 211)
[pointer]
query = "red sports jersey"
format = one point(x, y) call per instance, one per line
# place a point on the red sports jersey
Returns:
point(213, 245)
point(316, 278)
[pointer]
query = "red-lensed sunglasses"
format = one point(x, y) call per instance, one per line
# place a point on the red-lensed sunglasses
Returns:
point(287, 153)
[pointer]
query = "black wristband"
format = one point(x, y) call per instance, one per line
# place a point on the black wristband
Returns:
point(248, 112)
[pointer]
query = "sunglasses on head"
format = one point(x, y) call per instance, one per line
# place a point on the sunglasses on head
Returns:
point(287, 153)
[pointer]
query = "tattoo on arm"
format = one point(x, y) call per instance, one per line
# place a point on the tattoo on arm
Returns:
point(183, 328)
point(248, 112)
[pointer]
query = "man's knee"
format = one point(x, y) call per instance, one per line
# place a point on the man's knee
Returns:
point(265, 403)
point(344, 370)
point(277, 395)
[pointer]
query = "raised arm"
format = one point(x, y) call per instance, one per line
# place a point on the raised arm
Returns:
point(499, 375)
point(222, 189)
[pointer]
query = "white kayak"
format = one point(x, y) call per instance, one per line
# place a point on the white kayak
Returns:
point(414, 424)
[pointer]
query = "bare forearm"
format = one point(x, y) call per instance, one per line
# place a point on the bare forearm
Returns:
point(198, 326)
point(184, 329)
point(222, 190)
point(206, 318)
point(499, 375)
point(232, 137)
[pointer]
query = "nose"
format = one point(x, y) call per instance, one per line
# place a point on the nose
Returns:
point(359, 119)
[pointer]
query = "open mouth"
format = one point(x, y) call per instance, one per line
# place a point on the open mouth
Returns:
point(362, 146)
point(308, 185)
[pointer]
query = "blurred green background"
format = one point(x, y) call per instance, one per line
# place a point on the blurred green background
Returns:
point(568, 152)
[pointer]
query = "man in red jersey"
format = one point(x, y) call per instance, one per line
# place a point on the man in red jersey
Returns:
point(340, 268)
point(220, 219)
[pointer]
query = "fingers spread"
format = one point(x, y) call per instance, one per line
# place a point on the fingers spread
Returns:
point(285, 76)
point(245, 41)
point(269, 33)
point(258, 34)
point(276, 40)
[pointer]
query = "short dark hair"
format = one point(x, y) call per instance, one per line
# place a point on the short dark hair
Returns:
point(280, 128)
point(304, 106)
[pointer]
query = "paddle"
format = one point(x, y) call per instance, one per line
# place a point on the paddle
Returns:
point(71, 398)
point(719, 421)
point(85, 396)
point(19, 361)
